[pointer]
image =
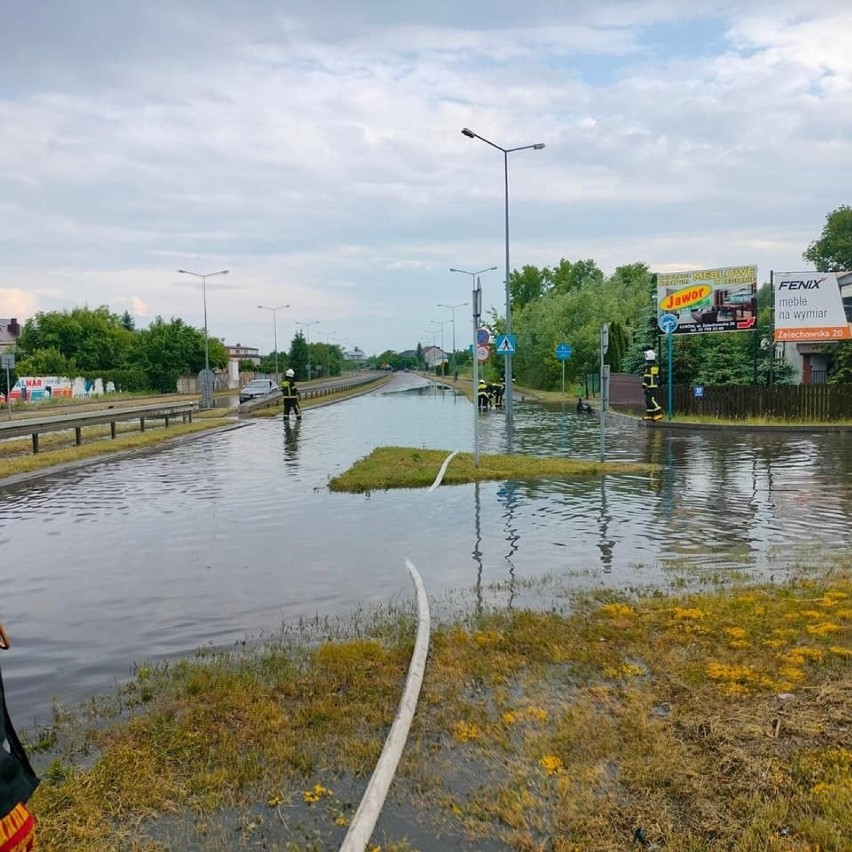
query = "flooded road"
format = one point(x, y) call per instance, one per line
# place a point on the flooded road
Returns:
point(230, 535)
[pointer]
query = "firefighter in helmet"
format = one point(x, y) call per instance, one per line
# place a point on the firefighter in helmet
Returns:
point(482, 396)
point(651, 386)
point(291, 396)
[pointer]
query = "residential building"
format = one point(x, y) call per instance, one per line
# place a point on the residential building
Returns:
point(244, 353)
point(10, 331)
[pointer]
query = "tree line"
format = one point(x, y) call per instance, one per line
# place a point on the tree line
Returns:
point(97, 343)
point(569, 302)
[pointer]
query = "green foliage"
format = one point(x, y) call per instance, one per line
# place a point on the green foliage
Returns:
point(128, 381)
point(832, 252)
point(47, 362)
point(528, 285)
point(166, 350)
point(840, 371)
point(87, 339)
point(218, 352)
point(568, 277)
point(573, 311)
point(298, 358)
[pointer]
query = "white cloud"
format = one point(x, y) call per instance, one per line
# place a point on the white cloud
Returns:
point(319, 157)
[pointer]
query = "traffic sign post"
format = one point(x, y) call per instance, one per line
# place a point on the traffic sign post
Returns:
point(481, 338)
point(667, 324)
point(505, 344)
point(604, 390)
point(563, 353)
point(7, 362)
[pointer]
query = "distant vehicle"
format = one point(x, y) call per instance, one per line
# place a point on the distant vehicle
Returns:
point(258, 388)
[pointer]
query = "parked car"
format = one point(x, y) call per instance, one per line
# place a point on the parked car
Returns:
point(258, 388)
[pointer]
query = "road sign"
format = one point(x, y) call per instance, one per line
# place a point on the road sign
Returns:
point(483, 336)
point(667, 323)
point(505, 344)
point(482, 353)
point(7, 361)
point(563, 352)
point(698, 390)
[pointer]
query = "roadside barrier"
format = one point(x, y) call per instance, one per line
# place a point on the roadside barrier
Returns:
point(364, 821)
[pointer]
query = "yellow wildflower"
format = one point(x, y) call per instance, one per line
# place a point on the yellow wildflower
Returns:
point(464, 732)
point(822, 629)
point(687, 614)
point(616, 610)
point(551, 764)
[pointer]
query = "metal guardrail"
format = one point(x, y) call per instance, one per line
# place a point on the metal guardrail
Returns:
point(112, 416)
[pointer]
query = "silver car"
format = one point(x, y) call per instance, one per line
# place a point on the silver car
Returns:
point(258, 388)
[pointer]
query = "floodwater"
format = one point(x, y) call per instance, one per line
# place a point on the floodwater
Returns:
point(225, 537)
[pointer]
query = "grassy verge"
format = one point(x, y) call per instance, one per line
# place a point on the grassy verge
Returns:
point(710, 721)
point(16, 455)
point(405, 467)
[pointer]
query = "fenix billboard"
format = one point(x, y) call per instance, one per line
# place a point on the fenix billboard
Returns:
point(809, 306)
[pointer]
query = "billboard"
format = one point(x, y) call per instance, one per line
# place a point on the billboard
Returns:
point(809, 307)
point(705, 300)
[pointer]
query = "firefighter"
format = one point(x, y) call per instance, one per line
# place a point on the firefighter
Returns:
point(291, 396)
point(17, 781)
point(650, 387)
point(499, 390)
point(482, 395)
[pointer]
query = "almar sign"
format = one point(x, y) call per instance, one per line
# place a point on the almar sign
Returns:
point(809, 307)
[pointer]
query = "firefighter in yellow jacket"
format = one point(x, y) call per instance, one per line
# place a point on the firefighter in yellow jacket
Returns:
point(291, 396)
point(651, 386)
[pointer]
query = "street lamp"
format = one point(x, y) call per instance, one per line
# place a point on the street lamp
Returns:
point(275, 333)
point(453, 321)
point(207, 394)
point(307, 326)
point(506, 151)
point(442, 324)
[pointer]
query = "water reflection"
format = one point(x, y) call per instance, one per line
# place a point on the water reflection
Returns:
point(291, 445)
point(477, 546)
point(605, 543)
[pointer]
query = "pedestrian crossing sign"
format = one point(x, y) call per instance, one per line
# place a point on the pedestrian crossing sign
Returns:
point(505, 344)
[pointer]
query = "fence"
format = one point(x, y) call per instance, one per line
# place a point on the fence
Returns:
point(737, 402)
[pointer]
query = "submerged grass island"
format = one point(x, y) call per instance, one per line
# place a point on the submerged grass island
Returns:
point(409, 467)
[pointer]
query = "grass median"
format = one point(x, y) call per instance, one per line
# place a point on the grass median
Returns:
point(406, 467)
point(705, 721)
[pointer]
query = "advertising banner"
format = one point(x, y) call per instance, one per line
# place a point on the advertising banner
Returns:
point(809, 307)
point(705, 300)
point(35, 388)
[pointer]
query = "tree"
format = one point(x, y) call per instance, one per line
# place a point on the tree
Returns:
point(167, 350)
point(567, 277)
point(47, 362)
point(298, 357)
point(832, 252)
point(528, 285)
point(91, 339)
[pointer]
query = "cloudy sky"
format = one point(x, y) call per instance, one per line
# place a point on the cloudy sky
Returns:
point(314, 150)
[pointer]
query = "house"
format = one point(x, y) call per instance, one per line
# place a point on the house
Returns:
point(434, 356)
point(10, 331)
point(244, 353)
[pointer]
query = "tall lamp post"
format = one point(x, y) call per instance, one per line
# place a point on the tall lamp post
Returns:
point(453, 321)
point(443, 351)
point(466, 131)
point(275, 333)
point(206, 395)
point(307, 326)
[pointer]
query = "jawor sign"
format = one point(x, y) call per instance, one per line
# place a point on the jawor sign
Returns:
point(808, 307)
